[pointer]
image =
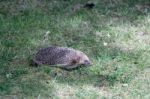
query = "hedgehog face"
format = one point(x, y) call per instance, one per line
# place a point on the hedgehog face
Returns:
point(84, 60)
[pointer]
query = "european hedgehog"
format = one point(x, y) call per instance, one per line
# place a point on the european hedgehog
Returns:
point(63, 57)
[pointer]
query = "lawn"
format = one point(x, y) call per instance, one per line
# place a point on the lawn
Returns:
point(115, 34)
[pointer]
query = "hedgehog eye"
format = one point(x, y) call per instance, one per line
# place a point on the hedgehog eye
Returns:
point(86, 61)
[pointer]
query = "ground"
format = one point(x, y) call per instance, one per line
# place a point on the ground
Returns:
point(114, 34)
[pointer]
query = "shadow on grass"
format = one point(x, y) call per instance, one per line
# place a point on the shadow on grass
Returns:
point(22, 82)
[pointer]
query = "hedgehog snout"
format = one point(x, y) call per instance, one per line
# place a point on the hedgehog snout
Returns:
point(87, 63)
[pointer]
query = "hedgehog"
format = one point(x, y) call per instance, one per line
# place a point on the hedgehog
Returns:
point(62, 57)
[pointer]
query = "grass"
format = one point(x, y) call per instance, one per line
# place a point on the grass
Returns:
point(114, 34)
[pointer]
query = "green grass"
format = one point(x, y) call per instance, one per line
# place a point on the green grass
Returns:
point(114, 34)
